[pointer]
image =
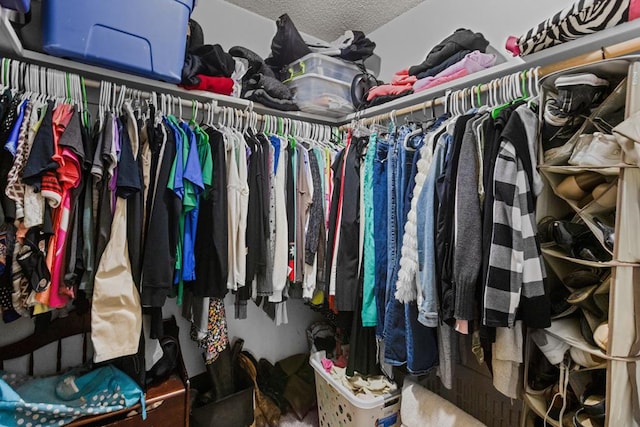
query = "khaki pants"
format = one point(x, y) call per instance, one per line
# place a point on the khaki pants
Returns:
point(116, 313)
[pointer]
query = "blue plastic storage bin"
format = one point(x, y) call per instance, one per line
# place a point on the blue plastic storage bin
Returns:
point(21, 6)
point(145, 37)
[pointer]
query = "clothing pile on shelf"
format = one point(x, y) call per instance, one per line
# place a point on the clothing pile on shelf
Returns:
point(243, 73)
point(260, 83)
point(458, 55)
point(582, 18)
point(288, 46)
point(240, 73)
point(143, 205)
point(210, 68)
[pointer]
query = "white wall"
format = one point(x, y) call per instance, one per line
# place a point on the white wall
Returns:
point(406, 40)
point(230, 25)
point(261, 335)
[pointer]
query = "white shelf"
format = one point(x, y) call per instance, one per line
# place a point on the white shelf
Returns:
point(557, 253)
point(586, 44)
point(10, 47)
point(574, 170)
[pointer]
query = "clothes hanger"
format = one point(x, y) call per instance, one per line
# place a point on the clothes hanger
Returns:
point(222, 116)
point(472, 100)
point(246, 122)
point(392, 121)
point(212, 112)
point(254, 122)
point(162, 107)
point(14, 76)
point(233, 113)
point(494, 93)
point(496, 110)
point(447, 102)
point(239, 120)
point(121, 98)
point(2, 74)
point(194, 114)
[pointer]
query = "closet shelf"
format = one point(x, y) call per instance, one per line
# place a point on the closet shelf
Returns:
point(568, 330)
point(574, 170)
point(553, 55)
point(11, 47)
point(539, 406)
point(557, 253)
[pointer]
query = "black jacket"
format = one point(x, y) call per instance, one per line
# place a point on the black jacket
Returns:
point(161, 238)
point(461, 39)
point(211, 248)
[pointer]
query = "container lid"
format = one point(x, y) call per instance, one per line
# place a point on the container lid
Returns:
point(337, 61)
point(314, 360)
point(318, 76)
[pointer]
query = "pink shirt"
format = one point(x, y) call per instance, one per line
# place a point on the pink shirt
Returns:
point(471, 63)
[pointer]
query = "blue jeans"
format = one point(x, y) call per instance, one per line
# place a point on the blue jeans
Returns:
point(418, 141)
point(406, 340)
point(380, 226)
point(395, 352)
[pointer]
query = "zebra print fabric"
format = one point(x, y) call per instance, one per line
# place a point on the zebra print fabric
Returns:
point(582, 18)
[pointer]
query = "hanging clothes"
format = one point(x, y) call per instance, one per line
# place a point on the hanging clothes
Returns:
point(116, 315)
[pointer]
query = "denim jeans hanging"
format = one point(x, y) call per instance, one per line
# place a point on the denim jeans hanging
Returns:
point(406, 340)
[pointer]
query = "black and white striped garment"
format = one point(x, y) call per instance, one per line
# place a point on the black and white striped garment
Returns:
point(516, 271)
point(582, 18)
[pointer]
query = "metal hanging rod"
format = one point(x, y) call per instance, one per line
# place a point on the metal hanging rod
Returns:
point(192, 100)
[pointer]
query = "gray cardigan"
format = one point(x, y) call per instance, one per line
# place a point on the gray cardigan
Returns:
point(467, 258)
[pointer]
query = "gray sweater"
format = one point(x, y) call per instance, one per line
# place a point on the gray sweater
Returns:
point(467, 259)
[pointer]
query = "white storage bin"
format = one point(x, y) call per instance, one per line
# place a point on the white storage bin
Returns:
point(327, 66)
point(338, 406)
point(321, 95)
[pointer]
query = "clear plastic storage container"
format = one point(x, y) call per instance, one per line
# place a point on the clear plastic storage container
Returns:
point(327, 66)
point(321, 95)
point(338, 406)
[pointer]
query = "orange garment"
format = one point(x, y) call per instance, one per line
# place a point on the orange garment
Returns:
point(402, 78)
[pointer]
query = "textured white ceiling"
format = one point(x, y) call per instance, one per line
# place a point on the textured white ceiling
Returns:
point(328, 19)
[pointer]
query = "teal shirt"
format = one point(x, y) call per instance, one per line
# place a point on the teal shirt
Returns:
point(369, 310)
